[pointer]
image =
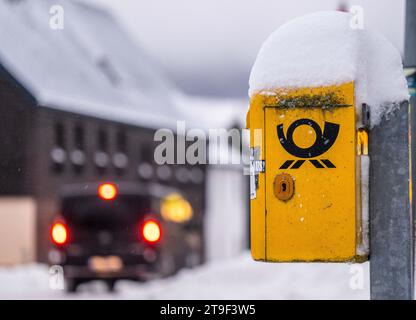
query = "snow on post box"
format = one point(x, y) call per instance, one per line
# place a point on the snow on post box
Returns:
point(306, 175)
point(308, 122)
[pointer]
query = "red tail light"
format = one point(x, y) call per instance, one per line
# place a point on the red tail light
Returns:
point(59, 233)
point(151, 231)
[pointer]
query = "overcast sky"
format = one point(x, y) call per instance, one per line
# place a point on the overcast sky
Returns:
point(209, 46)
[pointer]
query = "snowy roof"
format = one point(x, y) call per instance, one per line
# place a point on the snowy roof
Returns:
point(327, 48)
point(90, 67)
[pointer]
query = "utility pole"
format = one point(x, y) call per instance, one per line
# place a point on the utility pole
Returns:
point(410, 34)
point(392, 206)
point(391, 214)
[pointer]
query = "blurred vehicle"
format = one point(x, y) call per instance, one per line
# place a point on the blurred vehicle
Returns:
point(113, 231)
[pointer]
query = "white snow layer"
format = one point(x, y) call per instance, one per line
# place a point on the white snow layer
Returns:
point(326, 48)
point(237, 278)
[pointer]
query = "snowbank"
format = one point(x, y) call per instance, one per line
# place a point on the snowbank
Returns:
point(237, 278)
point(243, 278)
point(24, 281)
point(324, 48)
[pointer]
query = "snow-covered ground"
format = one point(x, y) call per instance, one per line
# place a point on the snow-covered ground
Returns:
point(238, 278)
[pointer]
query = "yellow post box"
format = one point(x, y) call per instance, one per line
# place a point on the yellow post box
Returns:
point(305, 184)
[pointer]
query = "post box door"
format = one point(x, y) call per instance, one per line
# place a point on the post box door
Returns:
point(311, 185)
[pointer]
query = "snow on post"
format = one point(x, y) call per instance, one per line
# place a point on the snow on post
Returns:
point(322, 49)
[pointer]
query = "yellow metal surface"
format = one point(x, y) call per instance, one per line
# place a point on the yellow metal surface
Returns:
point(311, 135)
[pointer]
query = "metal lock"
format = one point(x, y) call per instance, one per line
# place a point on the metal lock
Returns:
point(284, 186)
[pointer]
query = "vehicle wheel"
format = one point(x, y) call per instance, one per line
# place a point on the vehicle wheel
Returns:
point(71, 285)
point(111, 285)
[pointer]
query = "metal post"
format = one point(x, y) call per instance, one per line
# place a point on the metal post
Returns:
point(391, 183)
point(391, 214)
point(410, 41)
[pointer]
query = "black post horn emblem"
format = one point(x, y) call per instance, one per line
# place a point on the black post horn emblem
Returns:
point(324, 141)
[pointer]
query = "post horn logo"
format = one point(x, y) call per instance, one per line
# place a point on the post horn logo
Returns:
point(323, 142)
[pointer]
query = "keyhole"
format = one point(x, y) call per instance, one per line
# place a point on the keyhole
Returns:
point(283, 186)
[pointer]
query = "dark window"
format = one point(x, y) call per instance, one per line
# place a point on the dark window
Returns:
point(101, 158)
point(78, 154)
point(145, 168)
point(120, 158)
point(59, 135)
point(146, 154)
point(58, 152)
point(79, 137)
point(121, 141)
point(102, 140)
